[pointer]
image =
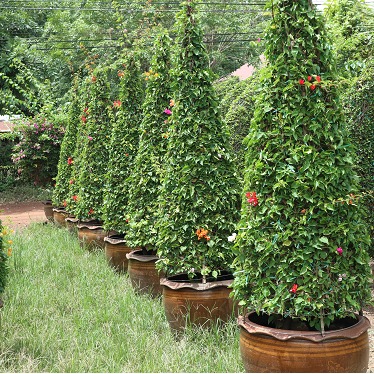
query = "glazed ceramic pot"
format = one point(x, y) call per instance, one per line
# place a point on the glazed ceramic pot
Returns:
point(48, 210)
point(143, 274)
point(267, 349)
point(91, 235)
point(59, 215)
point(71, 223)
point(192, 302)
point(116, 250)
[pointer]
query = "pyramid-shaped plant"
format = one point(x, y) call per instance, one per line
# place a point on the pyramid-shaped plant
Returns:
point(145, 179)
point(301, 245)
point(93, 163)
point(68, 145)
point(199, 196)
point(126, 117)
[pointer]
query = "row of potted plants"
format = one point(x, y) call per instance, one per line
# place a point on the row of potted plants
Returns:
point(291, 242)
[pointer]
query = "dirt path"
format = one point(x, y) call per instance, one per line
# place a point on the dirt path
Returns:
point(19, 215)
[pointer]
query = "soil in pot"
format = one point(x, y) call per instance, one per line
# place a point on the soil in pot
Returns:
point(116, 250)
point(192, 302)
point(144, 276)
point(268, 349)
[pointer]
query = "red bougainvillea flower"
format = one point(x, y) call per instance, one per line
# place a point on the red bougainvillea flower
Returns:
point(117, 103)
point(91, 211)
point(252, 198)
point(93, 79)
point(309, 78)
point(294, 288)
point(71, 181)
point(75, 197)
point(84, 119)
point(70, 161)
point(85, 110)
point(318, 78)
point(301, 81)
point(167, 111)
point(340, 251)
point(312, 87)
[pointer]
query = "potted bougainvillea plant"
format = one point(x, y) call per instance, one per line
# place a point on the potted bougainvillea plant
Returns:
point(302, 268)
point(199, 200)
point(126, 114)
point(64, 167)
point(145, 178)
point(93, 163)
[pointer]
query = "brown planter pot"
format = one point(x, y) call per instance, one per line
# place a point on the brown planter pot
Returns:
point(71, 223)
point(266, 349)
point(143, 274)
point(91, 235)
point(48, 210)
point(116, 251)
point(196, 303)
point(59, 215)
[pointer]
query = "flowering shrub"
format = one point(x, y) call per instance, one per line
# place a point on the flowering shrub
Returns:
point(305, 229)
point(93, 154)
point(37, 152)
point(126, 115)
point(199, 195)
point(145, 178)
point(63, 178)
point(5, 252)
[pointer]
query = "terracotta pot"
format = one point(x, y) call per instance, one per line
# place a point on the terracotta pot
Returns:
point(266, 349)
point(196, 303)
point(71, 223)
point(48, 210)
point(59, 215)
point(143, 274)
point(116, 251)
point(91, 235)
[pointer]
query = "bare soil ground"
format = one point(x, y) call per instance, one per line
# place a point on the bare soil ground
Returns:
point(19, 215)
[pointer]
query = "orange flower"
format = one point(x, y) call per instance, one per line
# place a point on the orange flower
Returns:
point(65, 203)
point(93, 79)
point(172, 103)
point(10, 252)
point(202, 234)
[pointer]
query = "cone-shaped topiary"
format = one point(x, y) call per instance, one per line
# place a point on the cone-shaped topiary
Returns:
point(3, 260)
point(93, 164)
point(68, 145)
point(301, 245)
point(145, 178)
point(126, 117)
point(199, 195)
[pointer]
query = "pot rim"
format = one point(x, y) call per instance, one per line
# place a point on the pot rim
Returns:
point(133, 255)
point(72, 219)
point(112, 239)
point(195, 286)
point(351, 332)
point(89, 226)
point(60, 210)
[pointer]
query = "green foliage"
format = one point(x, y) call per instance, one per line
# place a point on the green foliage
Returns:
point(350, 23)
point(8, 171)
point(301, 243)
point(126, 116)
point(92, 146)
point(145, 178)
point(68, 145)
point(199, 199)
point(359, 109)
point(36, 154)
point(4, 269)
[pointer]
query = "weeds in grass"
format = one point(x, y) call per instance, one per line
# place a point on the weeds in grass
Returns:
point(66, 310)
point(21, 193)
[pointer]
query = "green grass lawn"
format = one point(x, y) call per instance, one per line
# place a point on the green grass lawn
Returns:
point(66, 310)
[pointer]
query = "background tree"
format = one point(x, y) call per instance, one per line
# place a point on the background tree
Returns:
point(199, 200)
point(301, 242)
